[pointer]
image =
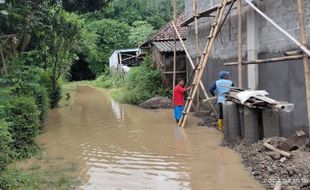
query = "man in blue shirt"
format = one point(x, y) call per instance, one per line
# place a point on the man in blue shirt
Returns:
point(221, 87)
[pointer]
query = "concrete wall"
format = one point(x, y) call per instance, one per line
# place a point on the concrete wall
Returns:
point(284, 80)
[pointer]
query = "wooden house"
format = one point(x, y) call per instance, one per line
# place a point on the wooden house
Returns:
point(161, 48)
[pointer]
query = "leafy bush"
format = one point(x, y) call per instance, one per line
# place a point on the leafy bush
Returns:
point(54, 93)
point(140, 84)
point(22, 115)
point(5, 140)
point(109, 80)
point(26, 82)
point(42, 101)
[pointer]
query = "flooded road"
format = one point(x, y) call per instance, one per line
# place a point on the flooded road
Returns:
point(124, 147)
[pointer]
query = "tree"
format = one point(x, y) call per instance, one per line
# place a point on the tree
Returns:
point(108, 35)
point(58, 48)
point(140, 31)
point(83, 6)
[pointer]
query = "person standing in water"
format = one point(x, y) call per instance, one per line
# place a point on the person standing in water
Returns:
point(178, 99)
point(221, 87)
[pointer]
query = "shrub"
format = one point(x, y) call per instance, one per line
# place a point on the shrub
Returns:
point(54, 93)
point(109, 80)
point(15, 179)
point(40, 95)
point(5, 140)
point(26, 81)
point(22, 115)
point(140, 84)
point(43, 104)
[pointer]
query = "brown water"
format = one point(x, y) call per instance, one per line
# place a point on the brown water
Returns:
point(125, 147)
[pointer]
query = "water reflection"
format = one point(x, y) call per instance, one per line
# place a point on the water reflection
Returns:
point(117, 110)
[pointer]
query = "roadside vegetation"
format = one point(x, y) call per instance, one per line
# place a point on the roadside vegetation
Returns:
point(140, 84)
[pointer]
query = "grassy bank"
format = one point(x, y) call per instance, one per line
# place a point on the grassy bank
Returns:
point(140, 84)
point(39, 173)
point(22, 118)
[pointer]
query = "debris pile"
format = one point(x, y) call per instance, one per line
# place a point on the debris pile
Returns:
point(278, 162)
point(207, 118)
point(157, 102)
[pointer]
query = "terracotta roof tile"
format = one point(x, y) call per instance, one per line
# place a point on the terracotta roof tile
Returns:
point(167, 31)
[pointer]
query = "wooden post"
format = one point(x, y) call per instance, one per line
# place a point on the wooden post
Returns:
point(300, 8)
point(196, 44)
point(175, 46)
point(240, 71)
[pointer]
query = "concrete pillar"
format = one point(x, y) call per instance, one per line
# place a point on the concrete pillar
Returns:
point(241, 117)
point(252, 47)
point(286, 117)
point(226, 121)
point(234, 121)
point(271, 123)
point(251, 125)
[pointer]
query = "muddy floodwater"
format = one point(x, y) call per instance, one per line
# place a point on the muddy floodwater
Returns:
point(124, 147)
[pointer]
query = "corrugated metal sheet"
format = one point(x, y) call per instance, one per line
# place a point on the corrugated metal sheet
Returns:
point(168, 46)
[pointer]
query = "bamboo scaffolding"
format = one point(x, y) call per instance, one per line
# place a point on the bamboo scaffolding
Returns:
point(193, 66)
point(205, 13)
point(203, 61)
point(262, 61)
point(240, 71)
point(300, 8)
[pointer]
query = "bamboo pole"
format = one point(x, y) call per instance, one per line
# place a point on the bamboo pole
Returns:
point(195, 13)
point(300, 8)
point(175, 46)
point(262, 61)
point(302, 47)
point(240, 71)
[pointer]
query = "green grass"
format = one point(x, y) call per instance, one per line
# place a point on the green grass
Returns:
point(44, 173)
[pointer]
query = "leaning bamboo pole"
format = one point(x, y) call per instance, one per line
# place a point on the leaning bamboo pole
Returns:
point(300, 8)
point(302, 47)
point(240, 70)
point(175, 46)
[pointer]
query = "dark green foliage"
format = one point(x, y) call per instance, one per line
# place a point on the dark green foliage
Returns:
point(119, 25)
point(155, 12)
point(14, 179)
point(22, 115)
point(54, 92)
point(83, 6)
point(28, 81)
point(5, 142)
point(42, 101)
point(110, 35)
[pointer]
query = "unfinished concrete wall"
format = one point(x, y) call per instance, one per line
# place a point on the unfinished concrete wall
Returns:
point(284, 80)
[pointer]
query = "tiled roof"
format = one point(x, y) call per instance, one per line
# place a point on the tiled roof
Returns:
point(167, 32)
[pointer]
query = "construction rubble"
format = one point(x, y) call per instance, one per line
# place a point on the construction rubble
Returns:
point(286, 166)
